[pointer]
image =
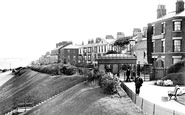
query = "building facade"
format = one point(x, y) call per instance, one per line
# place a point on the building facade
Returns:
point(166, 36)
point(70, 54)
point(90, 52)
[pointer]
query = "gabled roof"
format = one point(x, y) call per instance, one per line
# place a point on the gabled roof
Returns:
point(170, 15)
point(107, 41)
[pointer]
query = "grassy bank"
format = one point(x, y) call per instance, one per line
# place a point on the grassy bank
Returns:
point(34, 87)
point(85, 100)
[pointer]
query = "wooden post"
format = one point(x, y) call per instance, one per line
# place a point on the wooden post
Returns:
point(154, 109)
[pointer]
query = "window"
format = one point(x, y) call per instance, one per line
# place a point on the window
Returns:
point(175, 60)
point(176, 25)
point(89, 57)
point(85, 50)
point(89, 49)
point(153, 46)
point(68, 51)
point(177, 45)
point(95, 49)
point(101, 48)
point(144, 54)
point(162, 46)
point(74, 57)
point(104, 48)
point(153, 28)
point(163, 28)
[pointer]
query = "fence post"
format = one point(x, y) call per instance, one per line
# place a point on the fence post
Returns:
point(142, 104)
point(154, 109)
point(154, 73)
point(135, 98)
point(144, 72)
point(173, 112)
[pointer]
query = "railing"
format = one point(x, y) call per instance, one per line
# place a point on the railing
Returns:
point(116, 56)
point(148, 107)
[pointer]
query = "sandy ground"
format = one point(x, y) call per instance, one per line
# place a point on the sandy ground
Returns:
point(4, 77)
point(154, 94)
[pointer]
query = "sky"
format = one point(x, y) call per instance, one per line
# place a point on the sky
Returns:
point(30, 28)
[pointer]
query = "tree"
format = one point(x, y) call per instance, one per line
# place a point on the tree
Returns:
point(122, 42)
point(98, 40)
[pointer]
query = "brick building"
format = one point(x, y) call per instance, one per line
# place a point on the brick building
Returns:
point(166, 36)
point(70, 53)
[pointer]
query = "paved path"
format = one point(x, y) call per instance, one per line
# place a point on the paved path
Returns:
point(154, 94)
point(4, 77)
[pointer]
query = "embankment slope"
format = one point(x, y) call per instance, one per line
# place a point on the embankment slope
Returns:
point(86, 100)
point(33, 86)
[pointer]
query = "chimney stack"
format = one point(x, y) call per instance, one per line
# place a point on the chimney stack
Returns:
point(161, 11)
point(179, 6)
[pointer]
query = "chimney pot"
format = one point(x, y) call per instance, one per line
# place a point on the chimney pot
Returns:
point(161, 11)
point(179, 6)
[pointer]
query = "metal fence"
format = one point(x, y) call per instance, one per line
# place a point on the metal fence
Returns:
point(147, 107)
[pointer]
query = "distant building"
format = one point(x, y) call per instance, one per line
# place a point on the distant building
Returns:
point(58, 51)
point(165, 36)
point(136, 31)
point(120, 35)
point(144, 32)
point(140, 49)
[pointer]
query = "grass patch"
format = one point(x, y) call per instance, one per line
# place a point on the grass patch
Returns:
point(33, 86)
point(85, 100)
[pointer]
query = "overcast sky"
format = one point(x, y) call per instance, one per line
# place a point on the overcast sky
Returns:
point(29, 28)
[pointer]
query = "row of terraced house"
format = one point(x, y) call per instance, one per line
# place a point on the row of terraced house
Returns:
point(88, 53)
point(163, 45)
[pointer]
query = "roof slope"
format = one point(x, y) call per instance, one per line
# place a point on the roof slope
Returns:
point(170, 15)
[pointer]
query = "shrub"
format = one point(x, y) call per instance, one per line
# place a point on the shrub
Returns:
point(176, 67)
point(68, 69)
point(109, 84)
point(55, 69)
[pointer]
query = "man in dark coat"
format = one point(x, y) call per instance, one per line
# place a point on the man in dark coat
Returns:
point(138, 84)
point(128, 74)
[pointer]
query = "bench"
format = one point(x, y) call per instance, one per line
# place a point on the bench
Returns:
point(173, 93)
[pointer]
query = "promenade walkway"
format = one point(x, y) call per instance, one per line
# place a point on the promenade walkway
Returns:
point(154, 94)
point(4, 77)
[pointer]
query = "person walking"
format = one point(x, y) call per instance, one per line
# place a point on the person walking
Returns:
point(128, 74)
point(138, 84)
